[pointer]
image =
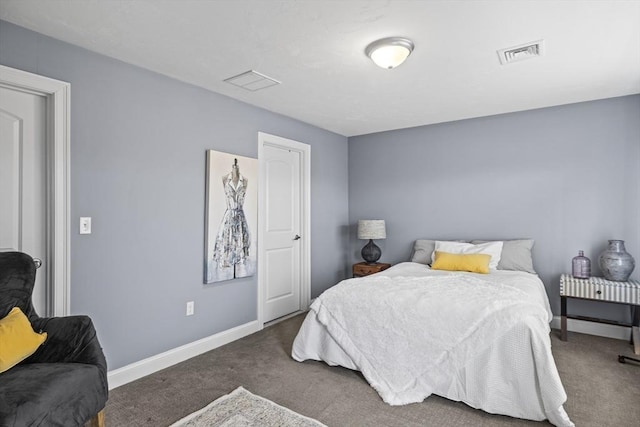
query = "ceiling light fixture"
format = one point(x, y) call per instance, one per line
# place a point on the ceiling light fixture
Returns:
point(390, 52)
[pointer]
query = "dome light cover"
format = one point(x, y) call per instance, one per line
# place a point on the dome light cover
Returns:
point(390, 52)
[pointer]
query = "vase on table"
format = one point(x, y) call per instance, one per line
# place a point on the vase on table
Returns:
point(615, 262)
point(581, 266)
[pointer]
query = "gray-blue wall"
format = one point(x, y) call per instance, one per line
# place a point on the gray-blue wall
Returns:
point(138, 142)
point(566, 176)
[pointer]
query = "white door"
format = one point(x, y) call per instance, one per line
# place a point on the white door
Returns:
point(23, 181)
point(283, 271)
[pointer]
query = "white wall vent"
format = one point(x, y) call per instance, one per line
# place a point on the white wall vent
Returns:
point(521, 52)
point(252, 81)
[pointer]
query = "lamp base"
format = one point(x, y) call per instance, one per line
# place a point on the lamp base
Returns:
point(371, 252)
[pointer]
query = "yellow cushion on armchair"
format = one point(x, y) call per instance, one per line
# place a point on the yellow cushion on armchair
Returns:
point(17, 339)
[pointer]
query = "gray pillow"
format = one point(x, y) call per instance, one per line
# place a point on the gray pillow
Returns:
point(516, 255)
point(423, 249)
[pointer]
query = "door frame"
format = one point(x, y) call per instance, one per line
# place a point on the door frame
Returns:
point(57, 95)
point(305, 216)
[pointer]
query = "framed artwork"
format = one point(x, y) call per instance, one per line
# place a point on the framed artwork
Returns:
point(231, 217)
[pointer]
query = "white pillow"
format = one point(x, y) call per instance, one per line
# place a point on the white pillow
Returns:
point(490, 248)
point(516, 255)
point(423, 250)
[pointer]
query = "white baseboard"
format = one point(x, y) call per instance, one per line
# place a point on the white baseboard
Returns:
point(152, 364)
point(594, 328)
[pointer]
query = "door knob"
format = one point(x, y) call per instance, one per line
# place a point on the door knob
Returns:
point(297, 237)
point(37, 262)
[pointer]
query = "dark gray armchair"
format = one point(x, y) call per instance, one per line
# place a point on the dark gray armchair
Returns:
point(64, 383)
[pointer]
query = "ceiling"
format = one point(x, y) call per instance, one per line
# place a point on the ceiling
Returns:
point(316, 49)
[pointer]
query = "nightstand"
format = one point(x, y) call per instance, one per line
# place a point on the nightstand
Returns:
point(362, 269)
point(600, 289)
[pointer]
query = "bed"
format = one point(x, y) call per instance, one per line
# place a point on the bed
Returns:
point(413, 331)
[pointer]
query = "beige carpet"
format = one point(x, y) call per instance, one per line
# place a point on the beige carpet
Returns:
point(241, 408)
point(601, 391)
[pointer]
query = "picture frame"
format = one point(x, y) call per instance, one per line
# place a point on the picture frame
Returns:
point(231, 217)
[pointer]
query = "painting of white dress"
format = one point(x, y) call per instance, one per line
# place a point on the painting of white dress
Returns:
point(231, 217)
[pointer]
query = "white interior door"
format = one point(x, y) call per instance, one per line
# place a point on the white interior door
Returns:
point(23, 181)
point(282, 232)
point(284, 243)
point(55, 96)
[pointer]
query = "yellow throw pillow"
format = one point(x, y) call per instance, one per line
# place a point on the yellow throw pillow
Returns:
point(475, 263)
point(17, 339)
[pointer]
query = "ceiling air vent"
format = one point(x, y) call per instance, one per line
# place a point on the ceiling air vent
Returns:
point(252, 81)
point(521, 52)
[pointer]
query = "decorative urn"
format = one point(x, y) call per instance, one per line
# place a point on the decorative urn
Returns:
point(615, 262)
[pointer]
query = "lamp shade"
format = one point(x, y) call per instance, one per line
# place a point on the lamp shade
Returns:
point(390, 52)
point(371, 229)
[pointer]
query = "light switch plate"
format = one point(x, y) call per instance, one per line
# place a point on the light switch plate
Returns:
point(85, 225)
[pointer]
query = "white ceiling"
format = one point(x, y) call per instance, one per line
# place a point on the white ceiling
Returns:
point(316, 49)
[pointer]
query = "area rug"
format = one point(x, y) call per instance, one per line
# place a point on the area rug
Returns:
point(241, 408)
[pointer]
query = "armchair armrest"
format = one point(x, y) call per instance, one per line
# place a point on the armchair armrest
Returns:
point(70, 339)
point(63, 383)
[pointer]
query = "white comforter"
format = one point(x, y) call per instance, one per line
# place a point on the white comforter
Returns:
point(412, 332)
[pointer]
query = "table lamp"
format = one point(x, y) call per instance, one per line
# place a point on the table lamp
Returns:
point(371, 229)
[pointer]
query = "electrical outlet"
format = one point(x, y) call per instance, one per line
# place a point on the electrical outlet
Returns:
point(190, 308)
